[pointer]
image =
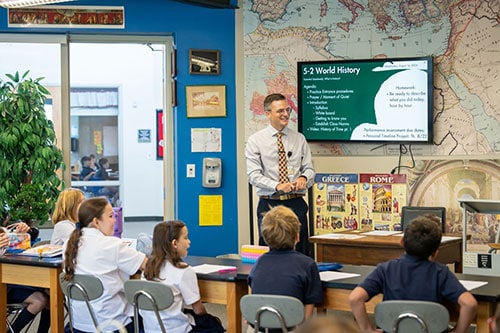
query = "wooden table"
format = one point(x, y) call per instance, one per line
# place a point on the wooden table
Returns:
point(35, 272)
point(336, 294)
point(372, 250)
point(224, 288)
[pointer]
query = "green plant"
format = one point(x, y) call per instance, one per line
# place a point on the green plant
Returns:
point(29, 157)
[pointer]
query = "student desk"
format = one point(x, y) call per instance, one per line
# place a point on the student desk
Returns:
point(372, 250)
point(337, 292)
point(35, 272)
point(224, 288)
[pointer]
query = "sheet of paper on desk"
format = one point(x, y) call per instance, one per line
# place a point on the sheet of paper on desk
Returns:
point(339, 236)
point(208, 268)
point(382, 233)
point(469, 285)
point(330, 276)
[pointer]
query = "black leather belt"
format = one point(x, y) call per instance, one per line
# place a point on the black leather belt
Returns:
point(282, 197)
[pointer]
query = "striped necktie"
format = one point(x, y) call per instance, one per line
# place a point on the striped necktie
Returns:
point(282, 163)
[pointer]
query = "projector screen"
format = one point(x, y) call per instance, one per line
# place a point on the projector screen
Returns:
point(376, 100)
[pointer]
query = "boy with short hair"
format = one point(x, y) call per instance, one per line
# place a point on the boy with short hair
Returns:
point(283, 270)
point(415, 276)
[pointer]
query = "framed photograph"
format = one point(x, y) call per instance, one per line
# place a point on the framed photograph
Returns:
point(206, 101)
point(204, 62)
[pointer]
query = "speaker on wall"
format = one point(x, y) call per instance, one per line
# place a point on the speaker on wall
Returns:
point(74, 145)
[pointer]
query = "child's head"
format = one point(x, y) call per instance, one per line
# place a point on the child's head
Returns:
point(280, 228)
point(104, 163)
point(85, 161)
point(170, 238)
point(170, 242)
point(422, 236)
point(67, 205)
point(94, 213)
point(98, 213)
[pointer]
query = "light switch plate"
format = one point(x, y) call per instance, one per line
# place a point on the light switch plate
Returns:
point(190, 171)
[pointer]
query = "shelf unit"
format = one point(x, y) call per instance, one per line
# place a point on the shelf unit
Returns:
point(474, 262)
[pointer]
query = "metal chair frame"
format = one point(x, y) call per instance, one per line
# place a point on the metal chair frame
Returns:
point(141, 295)
point(80, 283)
point(272, 311)
point(430, 317)
point(13, 311)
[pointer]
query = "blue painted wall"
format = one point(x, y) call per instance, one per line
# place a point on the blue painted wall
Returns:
point(198, 28)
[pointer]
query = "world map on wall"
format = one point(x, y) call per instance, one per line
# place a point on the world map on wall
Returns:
point(462, 36)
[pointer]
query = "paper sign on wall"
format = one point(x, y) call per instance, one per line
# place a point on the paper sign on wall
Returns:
point(210, 210)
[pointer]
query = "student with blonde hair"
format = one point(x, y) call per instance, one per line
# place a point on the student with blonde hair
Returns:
point(283, 270)
point(65, 214)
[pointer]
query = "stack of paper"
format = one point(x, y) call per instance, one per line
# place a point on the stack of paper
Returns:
point(46, 250)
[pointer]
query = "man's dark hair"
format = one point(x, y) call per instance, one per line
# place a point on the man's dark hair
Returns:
point(272, 98)
point(422, 237)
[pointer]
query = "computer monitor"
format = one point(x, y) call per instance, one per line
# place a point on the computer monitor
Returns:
point(408, 213)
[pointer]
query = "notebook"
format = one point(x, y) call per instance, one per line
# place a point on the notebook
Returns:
point(45, 250)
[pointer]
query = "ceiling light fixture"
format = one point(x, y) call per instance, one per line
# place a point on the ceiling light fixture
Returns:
point(27, 3)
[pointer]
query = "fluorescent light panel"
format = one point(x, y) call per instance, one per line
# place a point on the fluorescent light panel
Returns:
point(27, 3)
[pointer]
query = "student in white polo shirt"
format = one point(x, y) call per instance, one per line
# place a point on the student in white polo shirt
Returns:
point(92, 249)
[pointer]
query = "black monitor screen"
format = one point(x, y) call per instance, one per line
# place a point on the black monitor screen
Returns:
point(408, 213)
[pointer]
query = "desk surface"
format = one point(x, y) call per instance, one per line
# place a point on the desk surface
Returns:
point(371, 250)
point(36, 272)
point(31, 260)
point(487, 293)
point(241, 274)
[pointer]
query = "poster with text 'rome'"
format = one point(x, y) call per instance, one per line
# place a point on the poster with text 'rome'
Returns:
point(335, 203)
point(381, 198)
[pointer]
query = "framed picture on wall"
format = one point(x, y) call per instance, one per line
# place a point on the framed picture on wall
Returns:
point(206, 101)
point(204, 62)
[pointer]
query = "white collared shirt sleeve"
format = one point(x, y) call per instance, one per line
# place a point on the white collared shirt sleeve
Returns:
point(261, 154)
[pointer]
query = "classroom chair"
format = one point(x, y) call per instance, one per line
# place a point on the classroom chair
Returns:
point(411, 316)
point(82, 288)
point(149, 296)
point(272, 311)
point(13, 310)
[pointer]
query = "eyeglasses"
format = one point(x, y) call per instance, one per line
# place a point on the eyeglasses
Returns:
point(287, 110)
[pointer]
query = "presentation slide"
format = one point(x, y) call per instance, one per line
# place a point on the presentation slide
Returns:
point(366, 100)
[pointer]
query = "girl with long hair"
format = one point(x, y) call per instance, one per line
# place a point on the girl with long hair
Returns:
point(65, 214)
point(92, 249)
point(165, 264)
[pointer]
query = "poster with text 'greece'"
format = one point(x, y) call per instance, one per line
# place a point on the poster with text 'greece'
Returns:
point(335, 203)
point(381, 198)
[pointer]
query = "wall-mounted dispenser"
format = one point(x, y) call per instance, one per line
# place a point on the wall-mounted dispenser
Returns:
point(212, 172)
